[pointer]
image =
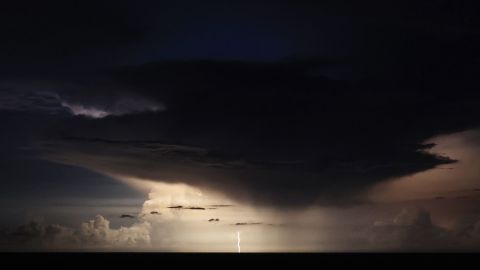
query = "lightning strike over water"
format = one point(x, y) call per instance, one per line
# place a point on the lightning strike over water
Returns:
point(238, 241)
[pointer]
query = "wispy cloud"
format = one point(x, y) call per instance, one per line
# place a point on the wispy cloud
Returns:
point(51, 102)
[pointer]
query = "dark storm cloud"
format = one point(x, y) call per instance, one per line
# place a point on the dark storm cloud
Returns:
point(263, 182)
point(267, 132)
point(293, 134)
point(282, 132)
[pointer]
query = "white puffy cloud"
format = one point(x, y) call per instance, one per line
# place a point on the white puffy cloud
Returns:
point(95, 233)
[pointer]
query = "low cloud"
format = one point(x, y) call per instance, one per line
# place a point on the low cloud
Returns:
point(95, 233)
point(412, 229)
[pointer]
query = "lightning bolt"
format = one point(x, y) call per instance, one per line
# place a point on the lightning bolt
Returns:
point(238, 241)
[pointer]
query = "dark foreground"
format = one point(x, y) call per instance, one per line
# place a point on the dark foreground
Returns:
point(244, 260)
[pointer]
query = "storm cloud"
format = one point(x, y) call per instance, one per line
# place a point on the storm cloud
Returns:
point(270, 127)
point(273, 131)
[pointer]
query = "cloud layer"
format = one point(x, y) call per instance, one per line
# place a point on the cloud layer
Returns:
point(412, 229)
point(94, 234)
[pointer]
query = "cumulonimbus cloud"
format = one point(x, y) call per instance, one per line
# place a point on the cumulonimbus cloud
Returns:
point(267, 131)
point(263, 182)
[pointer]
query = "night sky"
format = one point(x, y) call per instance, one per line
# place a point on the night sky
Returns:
point(353, 124)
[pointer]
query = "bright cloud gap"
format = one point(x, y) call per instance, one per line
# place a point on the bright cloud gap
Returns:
point(98, 113)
